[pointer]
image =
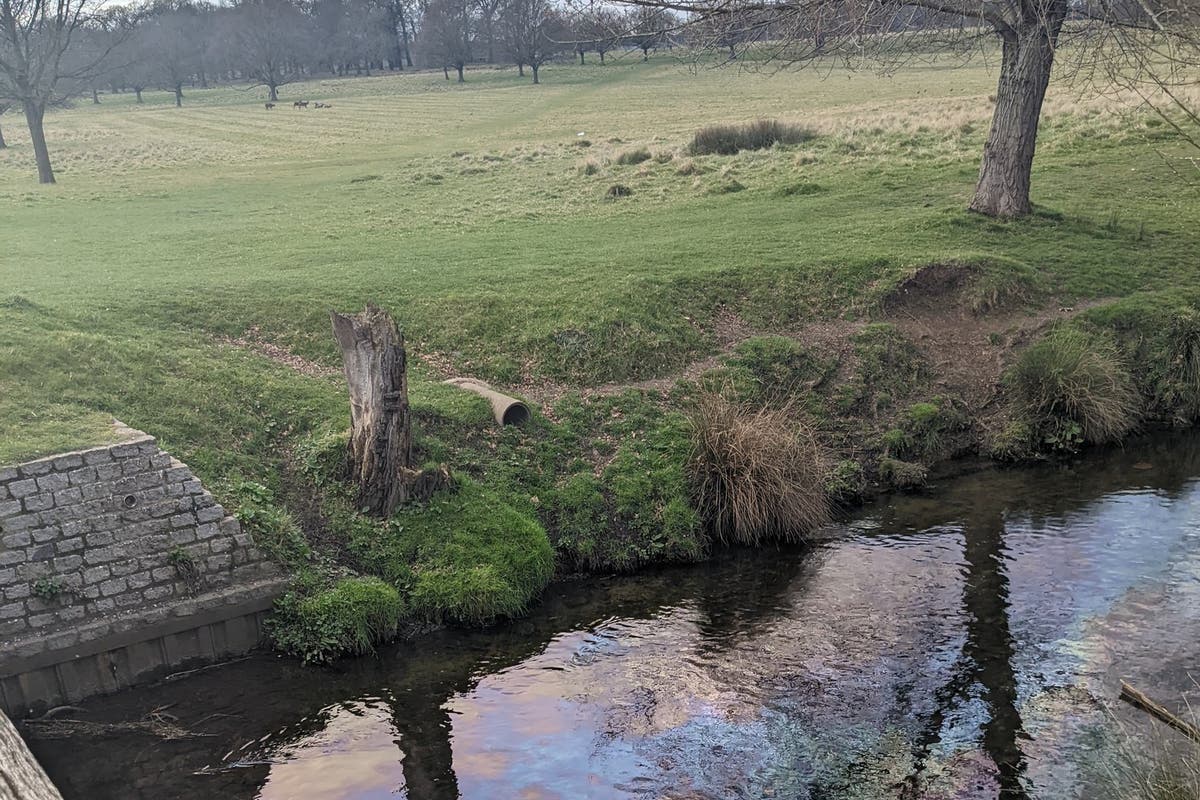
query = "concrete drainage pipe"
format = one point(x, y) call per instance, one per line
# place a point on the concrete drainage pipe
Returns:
point(507, 410)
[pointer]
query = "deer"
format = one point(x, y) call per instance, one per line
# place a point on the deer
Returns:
point(322, 105)
point(269, 106)
point(300, 104)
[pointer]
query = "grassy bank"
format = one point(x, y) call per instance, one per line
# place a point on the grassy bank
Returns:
point(180, 275)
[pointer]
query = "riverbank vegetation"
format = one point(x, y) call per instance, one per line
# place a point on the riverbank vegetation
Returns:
point(839, 309)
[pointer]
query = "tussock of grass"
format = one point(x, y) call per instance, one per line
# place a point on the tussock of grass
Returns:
point(801, 189)
point(1160, 333)
point(466, 557)
point(902, 474)
point(757, 472)
point(1075, 387)
point(635, 156)
point(727, 140)
point(350, 617)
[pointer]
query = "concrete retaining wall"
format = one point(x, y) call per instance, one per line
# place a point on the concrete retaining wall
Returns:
point(113, 548)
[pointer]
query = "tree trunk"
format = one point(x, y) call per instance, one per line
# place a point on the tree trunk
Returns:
point(520, 69)
point(22, 777)
point(581, 62)
point(446, 71)
point(138, 92)
point(95, 97)
point(179, 95)
point(1007, 166)
point(274, 92)
point(534, 67)
point(3, 144)
point(601, 56)
point(461, 79)
point(34, 115)
point(380, 429)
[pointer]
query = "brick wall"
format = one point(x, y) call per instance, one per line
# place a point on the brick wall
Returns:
point(104, 540)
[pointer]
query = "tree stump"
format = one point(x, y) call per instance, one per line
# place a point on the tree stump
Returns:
point(21, 777)
point(380, 452)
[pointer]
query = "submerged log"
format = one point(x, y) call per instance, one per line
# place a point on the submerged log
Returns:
point(380, 426)
point(21, 777)
point(1141, 701)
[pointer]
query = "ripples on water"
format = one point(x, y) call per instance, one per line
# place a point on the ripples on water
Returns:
point(964, 643)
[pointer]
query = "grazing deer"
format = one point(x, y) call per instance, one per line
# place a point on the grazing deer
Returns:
point(320, 105)
point(269, 106)
point(300, 104)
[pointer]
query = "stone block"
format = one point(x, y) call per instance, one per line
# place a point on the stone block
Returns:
point(67, 461)
point(149, 480)
point(163, 574)
point(99, 455)
point(66, 546)
point(18, 591)
point(128, 600)
point(9, 508)
point(210, 514)
point(44, 535)
point(83, 476)
point(218, 563)
point(10, 557)
point(133, 467)
point(39, 502)
point(221, 544)
point(95, 574)
point(12, 610)
point(14, 525)
point(68, 497)
point(192, 486)
point(23, 488)
point(161, 460)
point(139, 580)
point(124, 567)
point(183, 520)
point(32, 469)
point(177, 475)
point(102, 606)
point(53, 482)
point(183, 536)
point(207, 531)
point(11, 627)
point(68, 563)
point(113, 586)
point(156, 593)
point(8, 474)
point(42, 552)
point(42, 620)
point(108, 472)
point(15, 540)
point(99, 538)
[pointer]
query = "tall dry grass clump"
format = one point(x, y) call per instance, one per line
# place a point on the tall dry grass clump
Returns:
point(1153, 765)
point(756, 472)
point(1074, 386)
point(727, 140)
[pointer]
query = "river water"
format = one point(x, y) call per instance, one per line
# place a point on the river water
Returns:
point(967, 642)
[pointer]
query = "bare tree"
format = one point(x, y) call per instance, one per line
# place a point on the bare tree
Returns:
point(599, 31)
point(4, 106)
point(268, 42)
point(534, 32)
point(1143, 37)
point(446, 29)
point(35, 39)
point(170, 49)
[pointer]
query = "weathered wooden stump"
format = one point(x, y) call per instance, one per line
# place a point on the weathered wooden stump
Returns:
point(380, 451)
point(21, 778)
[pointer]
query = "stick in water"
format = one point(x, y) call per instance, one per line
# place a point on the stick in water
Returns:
point(1139, 700)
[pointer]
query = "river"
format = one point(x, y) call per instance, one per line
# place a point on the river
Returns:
point(966, 642)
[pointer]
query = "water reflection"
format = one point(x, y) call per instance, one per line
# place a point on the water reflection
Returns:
point(952, 644)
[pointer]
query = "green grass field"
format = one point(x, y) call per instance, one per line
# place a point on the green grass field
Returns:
point(466, 210)
point(480, 215)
